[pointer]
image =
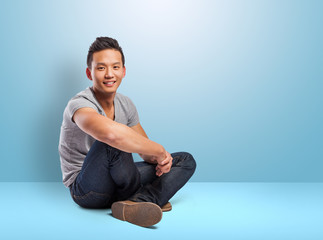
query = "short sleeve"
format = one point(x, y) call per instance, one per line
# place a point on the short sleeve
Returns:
point(133, 117)
point(77, 103)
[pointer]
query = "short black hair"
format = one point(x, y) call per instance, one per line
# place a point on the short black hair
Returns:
point(102, 43)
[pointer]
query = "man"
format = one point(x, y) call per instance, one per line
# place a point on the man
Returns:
point(99, 132)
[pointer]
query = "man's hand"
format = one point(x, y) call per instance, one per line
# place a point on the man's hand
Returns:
point(165, 165)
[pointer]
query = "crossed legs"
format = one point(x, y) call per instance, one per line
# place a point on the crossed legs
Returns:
point(109, 175)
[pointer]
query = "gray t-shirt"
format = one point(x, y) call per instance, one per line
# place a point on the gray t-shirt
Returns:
point(74, 144)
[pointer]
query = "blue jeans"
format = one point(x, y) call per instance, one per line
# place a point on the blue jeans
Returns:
point(110, 175)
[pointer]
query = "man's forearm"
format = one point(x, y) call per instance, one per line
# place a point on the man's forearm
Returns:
point(126, 139)
point(149, 158)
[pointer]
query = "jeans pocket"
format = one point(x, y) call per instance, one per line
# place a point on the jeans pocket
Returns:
point(93, 200)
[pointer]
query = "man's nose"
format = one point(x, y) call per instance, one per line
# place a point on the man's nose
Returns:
point(108, 73)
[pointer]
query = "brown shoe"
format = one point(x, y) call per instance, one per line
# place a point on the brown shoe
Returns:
point(144, 214)
point(167, 207)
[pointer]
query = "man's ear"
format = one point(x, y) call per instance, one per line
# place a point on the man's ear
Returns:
point(124, 71)
point(88, 74)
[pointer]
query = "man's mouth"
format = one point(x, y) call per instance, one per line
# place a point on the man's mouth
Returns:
point(109, 83)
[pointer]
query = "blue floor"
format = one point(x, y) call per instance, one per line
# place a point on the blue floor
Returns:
point(200, 211)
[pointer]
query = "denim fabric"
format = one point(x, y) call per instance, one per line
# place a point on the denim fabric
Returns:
point(110, 175)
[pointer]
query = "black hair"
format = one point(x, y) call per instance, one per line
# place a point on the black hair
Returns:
point(102, 43)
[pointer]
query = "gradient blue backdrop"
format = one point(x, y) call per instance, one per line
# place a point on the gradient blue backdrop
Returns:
point(236, 83)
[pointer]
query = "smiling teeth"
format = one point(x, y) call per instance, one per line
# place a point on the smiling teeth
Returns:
point(109, 83)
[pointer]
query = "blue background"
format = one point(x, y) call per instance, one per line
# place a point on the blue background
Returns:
point(236, 83)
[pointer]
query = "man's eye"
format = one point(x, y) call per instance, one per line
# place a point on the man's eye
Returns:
point(116, 67)
point(100, 68)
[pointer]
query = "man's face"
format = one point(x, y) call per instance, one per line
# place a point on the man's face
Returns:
point(106, 71)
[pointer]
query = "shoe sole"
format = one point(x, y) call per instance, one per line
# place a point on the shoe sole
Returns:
point(167, 207)
point(143, 214)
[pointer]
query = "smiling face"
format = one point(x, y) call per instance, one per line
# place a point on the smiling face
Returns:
point(107, 71)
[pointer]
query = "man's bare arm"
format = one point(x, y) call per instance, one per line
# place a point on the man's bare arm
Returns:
point(116, 134)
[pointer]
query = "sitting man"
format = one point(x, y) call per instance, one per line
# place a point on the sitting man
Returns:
point(99, 133)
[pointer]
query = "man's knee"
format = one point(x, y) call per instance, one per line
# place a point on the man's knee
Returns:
point(110, 153)
point(98, 144)
point(190, 161)
point(186, 160)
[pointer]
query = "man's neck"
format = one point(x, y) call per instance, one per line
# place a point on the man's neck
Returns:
point(105, 100)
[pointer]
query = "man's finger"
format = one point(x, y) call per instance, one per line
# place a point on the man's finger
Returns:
point(159, 173)
point(167, 160)
point(165, 168)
